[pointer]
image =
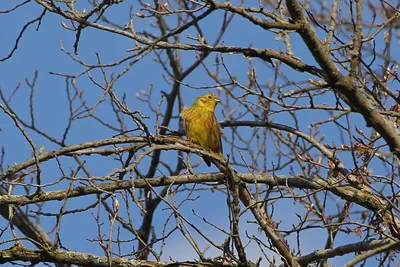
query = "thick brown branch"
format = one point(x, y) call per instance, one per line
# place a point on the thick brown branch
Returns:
point(111, 187)
point(346, 86)
point(263, 23)
point(343, 250)
point(86, 259)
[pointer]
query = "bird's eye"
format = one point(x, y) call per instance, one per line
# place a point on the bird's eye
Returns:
point(209, 97)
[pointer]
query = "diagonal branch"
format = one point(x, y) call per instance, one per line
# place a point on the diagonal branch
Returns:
point(346, 86)
point(346, 249)
point(366, 255)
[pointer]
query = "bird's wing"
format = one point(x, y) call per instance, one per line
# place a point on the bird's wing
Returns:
point(217, 134)
point(220, 140)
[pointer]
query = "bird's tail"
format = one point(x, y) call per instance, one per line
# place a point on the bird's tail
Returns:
point(207, 160)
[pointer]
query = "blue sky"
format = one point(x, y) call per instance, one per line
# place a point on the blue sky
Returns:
point(41, 51)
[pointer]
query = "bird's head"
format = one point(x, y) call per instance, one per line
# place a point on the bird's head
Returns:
point(208, 101)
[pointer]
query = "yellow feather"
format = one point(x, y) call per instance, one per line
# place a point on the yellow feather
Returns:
point(201, 125)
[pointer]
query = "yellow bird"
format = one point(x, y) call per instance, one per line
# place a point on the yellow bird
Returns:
point(201, 125)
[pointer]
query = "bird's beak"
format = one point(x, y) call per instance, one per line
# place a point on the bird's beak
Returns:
point(217, 100)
